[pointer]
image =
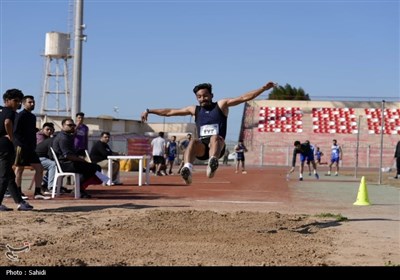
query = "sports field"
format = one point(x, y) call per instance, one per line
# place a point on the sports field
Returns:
point(253, 219)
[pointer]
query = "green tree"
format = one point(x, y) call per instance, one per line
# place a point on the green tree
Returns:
point(288, 92)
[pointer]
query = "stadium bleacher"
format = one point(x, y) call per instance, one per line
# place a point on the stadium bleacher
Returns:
point(334, 120)
point(391, 121)
point(280, 119)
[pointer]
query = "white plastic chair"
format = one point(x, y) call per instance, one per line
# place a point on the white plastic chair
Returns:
point(60, 175)
point(88, 159)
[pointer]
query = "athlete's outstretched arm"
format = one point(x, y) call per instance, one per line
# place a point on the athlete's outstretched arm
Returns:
point(166, 112)
point(228, 102)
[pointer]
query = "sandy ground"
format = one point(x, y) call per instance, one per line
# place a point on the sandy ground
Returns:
point(210, 231)
point(123, 236)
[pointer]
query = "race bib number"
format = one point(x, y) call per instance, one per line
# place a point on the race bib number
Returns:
point(209, 130)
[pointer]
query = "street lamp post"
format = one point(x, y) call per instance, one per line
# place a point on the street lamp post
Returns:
point(382, 126)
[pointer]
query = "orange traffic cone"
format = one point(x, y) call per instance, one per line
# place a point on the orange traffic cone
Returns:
point(362, 196)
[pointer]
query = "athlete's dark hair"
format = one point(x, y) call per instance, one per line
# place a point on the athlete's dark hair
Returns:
point(297, 143)
point(207, 86)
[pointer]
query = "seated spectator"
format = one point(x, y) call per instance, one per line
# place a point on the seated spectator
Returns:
point(46, 132)
point(63, 145)
point(44, 139)
point(99, 153)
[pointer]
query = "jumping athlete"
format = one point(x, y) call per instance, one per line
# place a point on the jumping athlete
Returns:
point(211, 123)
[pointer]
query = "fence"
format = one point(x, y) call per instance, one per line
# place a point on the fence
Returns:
point(368, 155)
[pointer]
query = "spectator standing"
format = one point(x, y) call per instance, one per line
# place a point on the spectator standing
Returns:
point(158, 146)
point(99, 153)
point(171, 153)
point(81, 136)
point(397, 157)
point(25, 143)
point(12, 100)
point(240, 149)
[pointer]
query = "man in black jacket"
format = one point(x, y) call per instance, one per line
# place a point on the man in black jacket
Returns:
point(99, 153)
point(63, 145)
point(397, 156)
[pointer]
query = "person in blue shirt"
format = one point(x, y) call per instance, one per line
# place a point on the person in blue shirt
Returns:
point(240, 149)
point(211, 123)
point(171, 153)
point(318, 156)
point(336, 157)
point(308, 160)
point(306, 154)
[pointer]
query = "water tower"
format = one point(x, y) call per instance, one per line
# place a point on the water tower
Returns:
point(56, 92)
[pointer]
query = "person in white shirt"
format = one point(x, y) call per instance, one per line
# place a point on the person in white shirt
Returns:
point(158, 146)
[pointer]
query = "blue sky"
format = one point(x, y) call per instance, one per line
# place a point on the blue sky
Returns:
point(150, 54)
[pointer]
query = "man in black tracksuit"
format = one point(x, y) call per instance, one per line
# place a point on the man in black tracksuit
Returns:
point(397, 156)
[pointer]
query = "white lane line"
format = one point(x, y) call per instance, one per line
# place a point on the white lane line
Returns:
point(233, 190)
point(240, 202)
point(214, 182)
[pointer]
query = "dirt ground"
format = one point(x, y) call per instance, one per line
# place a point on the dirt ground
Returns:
point(227, 223)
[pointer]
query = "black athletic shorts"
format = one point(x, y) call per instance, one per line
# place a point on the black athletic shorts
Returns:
point(206, 143)
point(24, 157)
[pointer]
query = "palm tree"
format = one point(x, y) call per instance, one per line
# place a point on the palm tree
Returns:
point(288, 93)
